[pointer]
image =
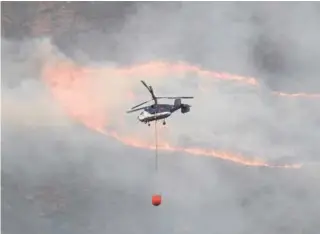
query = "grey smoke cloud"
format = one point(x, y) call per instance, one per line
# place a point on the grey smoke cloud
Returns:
point(60, 177)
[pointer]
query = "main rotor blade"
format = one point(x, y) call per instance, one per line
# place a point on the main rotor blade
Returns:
point(140, 104)
point(150, 89)
point(144, 83)
point(141, 108)
point(176, 97)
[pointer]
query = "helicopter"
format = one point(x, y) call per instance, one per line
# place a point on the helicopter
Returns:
point(158, 111)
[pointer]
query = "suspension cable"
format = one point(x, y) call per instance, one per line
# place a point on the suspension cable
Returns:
point(156, 144)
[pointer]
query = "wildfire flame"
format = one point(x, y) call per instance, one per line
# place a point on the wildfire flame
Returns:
point(74, 89)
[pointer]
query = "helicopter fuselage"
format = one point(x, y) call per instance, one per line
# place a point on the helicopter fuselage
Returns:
point(146, 117)
point(152, 113)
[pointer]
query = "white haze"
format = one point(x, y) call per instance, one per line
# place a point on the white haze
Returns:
point(105, 187)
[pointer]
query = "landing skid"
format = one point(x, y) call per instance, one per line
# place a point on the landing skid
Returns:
point(163, 123)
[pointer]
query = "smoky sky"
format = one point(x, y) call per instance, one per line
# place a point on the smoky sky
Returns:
point(60, 177)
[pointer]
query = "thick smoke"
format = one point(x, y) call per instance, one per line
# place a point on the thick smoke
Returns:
point(60, 177)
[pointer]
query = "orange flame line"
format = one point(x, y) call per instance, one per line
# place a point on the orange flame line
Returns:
point(79, 102)
point(161, 68)
point(236, 158)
